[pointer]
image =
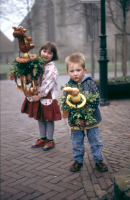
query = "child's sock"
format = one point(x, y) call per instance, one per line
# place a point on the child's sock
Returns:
point(50, 140)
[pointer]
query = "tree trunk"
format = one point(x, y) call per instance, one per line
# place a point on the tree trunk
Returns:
point(123, 56)
point(29, 23)
point(124, 45)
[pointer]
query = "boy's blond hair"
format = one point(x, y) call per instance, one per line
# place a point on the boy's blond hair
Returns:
point(75, 58)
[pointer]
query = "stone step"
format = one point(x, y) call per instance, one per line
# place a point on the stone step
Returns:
point(122, 183)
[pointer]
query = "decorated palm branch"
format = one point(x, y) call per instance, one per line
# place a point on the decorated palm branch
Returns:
point(26, 64)
point(75, 105)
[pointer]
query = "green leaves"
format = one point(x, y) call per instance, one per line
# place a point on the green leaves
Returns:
point(81, 114)
point(91, 97)
point(27, 68)
point(62, 88)
point(121, 79)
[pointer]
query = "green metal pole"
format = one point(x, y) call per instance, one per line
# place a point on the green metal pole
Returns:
point(103, 60)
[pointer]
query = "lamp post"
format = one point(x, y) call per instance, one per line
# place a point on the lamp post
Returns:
point(103, 60)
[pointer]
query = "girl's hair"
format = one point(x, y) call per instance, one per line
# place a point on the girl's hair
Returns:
point(52, 47)
point(75, 58)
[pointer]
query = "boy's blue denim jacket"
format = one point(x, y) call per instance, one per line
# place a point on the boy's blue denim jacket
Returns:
point(88, 86)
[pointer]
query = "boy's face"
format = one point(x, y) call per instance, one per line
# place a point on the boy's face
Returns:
point(76, 72)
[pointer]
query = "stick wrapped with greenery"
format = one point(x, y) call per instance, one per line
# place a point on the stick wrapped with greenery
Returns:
point(82, 116)
point(34, 67)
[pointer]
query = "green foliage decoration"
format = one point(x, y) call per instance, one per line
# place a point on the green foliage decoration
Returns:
point(27, 68)
point(121, 79)
point(80, 117)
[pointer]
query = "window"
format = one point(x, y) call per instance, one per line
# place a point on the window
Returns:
point(7, 60)
point(50, 22)
point(0, 59)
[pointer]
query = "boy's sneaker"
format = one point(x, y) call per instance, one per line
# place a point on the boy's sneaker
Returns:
point(76, 166)
point(39, 143)
point(49, 145)
point(101, 166)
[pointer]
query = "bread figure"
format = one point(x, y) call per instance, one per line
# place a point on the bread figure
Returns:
point(71, 91)
point(23, 39)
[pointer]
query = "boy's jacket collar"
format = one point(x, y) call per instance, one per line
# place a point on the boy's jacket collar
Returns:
point(85, 77)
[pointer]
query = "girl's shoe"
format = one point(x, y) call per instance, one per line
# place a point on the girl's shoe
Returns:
point(39, 143)
point(49, 145)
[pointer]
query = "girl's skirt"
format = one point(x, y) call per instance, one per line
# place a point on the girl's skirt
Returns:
point(41, 112)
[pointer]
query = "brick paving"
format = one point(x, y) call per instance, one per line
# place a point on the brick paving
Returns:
point(28, 173)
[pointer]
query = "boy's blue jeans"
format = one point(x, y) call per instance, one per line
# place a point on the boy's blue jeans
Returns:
point(77, 139)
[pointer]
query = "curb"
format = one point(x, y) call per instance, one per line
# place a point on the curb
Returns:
point(122, 183)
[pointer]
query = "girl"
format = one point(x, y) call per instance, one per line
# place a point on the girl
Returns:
point(44, 106)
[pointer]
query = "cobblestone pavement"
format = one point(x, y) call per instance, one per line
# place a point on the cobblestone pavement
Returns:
point(28, 173)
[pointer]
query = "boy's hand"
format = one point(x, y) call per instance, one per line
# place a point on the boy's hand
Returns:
point(36, 98)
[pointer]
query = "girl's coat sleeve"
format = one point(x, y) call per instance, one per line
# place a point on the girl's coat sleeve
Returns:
point(49, 79)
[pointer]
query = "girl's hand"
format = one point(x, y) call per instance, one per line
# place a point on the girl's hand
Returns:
point(36, 98)
point(29, 77)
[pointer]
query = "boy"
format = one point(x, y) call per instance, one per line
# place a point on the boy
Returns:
point(76, 69)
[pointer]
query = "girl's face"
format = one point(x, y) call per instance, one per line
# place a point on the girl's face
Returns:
point(47, 54)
